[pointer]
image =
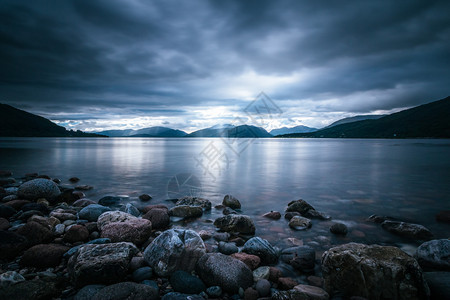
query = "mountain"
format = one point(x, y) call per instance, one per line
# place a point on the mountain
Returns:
point(155, 131)
point(231, 131)
point(296, 129)
point(354, 119)
point(18, 123)
point(430, 120)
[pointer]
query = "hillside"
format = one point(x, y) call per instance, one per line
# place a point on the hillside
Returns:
point(18, 123)
point(155, 131)
point(354, 119)
point(242, 131)
point(430, 120)
point(296, 129)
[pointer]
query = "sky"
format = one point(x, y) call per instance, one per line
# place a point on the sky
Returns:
point(108, 64)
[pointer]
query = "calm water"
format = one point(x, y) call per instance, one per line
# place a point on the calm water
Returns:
point(347, 179)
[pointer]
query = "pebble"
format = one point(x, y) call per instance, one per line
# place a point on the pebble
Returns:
point(261, 273)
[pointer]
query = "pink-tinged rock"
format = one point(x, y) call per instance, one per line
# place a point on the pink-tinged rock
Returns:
point(275, 215)
point(76, 233)
point(35, 233)
point(252, 261)
point(136, 231)
point(43, 256)
point(286, 283)
point(159, 217)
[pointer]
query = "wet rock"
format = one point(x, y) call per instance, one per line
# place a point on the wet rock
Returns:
point(443, 216)
point(127, 290)
point(275, 274)
point(10, 278)
point(104, 263)
point(145, 197)
point(6, 211)
point(113, 217)
point(252, 261)
point(195, 201)
point(159, 217)
point(181, 296)
point(148, 208)
point(111, 201)
point(175, 249)
point(142, 274)
point(302, 258)
point(289, 215)
point(28, 214)
point(76, 233)
point(380, 219)
point(311, 292)
point(38, 289)
point(74, 179)
point(62, 216)
point(263, 287)
point(35, 233)
point(236, 223)
point(11, 244)
point(250, 294)
point(92, 212)
point(136, 231)
point(300, 223)
point(228, 248)
point(17, 204)
point(88, 292)
point(434, 254)
point(300, 206)
point(186, 211)
point(59, 229)
point(409, 230)
point(216, 269)
point(35, 206)
point(83, 202)
point(43, 256)
point(228, 211)
point(261, 248)
point(274, 215)
point(261, 273)
point(214, 291)
point(339, 229)
point(4, 224)
point(137, 262)
point(9, 198)
point(38, 188)
point(231, 202)
point(184, 282)
point(132, 210)
point(84, 187)
point(68, 196)
point(374, 272)
point(439, 283)
point(205, 234)
point(315, 281)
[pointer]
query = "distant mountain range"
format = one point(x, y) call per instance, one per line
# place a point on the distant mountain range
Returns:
point(155, 131)
point(354, 119)
point(231, 131)
point(430, 120)
point(296, 129)
point(18, 123)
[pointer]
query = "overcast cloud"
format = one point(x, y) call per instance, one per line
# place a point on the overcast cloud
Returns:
point(94, 65)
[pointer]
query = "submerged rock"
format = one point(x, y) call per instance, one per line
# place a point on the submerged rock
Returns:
point(186, 211)
point(339, 228)
point(408, 230)
point(236, 223)
point(300, 223)
point(194, 201)
point(231, 202)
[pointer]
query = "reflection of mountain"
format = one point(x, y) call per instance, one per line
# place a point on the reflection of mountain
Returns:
point(427, 121)
point(16, 122)
point(156, 131)
point(241, 131)
point(354, 119)
point(296, 129)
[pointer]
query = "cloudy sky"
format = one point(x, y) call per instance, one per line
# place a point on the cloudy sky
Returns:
point(95, 65)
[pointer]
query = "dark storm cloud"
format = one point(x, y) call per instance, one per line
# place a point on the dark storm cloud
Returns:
point(165, 58)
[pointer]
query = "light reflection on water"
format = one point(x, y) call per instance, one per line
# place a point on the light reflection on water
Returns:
point(347, 179)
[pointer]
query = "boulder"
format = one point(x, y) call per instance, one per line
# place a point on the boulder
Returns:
point(11, 244)
point(184, 282)
point(35, 233)
point(92, 212)
point(76, 233)
point(224, 271)
point(261, 248)
point(434, 254)
point(300, 223)
point(274, 215)
point(113, 217)
point(39, 188)
point(300, 206)
point(43, 256)
point(236, 223)
point(101, 263)
point(174, 249)
point(408, 230)
point(127, 290)
point(373, 272)
point(231, 202)
point(252, 261)
point(159, 217)
point(195, 201)
point(302, 258)
point(136, 231)
point(88, 292)
point(186, 211)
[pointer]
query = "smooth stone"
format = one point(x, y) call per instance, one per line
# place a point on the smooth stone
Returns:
point(132, 210)
point(195, 201)
point(17, 204)
point(136, 231)
point(113, 217)
point(221, 236)
point(409, 230)
point(127, 290)
point(35, 233)
point(261, 248)
point(236, 223)
point(231, 202)
point(312, 292)
point(228, 248)
point(38, 188)
point(286, 283)
point(300, 223)
point(252, 261)
point(159, 217)
point(250, 294)
point(88, 292)
point(181, 296)
point(142, 274)
point(275, 215)
point(43, 256)
point(59, 229)
point(186, 211)
point(302, 258)
point(263, 287)
point(111, 201)
point(10, 278)
point(289, 215)
point(11, 244)
point(184, 282)
point(92, 212)
point(145, 197)
point(214, 291)
point(76, 233)
point(434, 254)
point(6, 211)
point(36, 289)
point(4, 224)
point(339, 228)
point(35, 207)
point(261, 273)
point(83, 202)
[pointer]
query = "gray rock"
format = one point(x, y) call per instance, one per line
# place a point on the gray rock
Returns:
point(373, 272)
point(300, 223)
point(261, 273)
point(142, 274)
point(175, 249)
point(59, 229)
point(132, 210)
point(214, 291)
point(231, 202)
point(216, 269)
point(434, 254)
point(184, 282)
point(181, 296)
point(92, 212)
point(195, 201)
point(300, 206)
point(408, 230)
point(236, 223)
point(261, 248)
point(311, 292)
point(228, 248)
point(263, 287)
point(39, 188)
point(111, 201)
point(9, 278)
point(6, 211)
point(439, 283)
point(302, 258)
point(186, 211)
point(127, 290)
point(339, 228)
point(104, 263)
point(88, 292)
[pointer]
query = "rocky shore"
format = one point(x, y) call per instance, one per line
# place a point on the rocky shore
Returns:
point(57, 244)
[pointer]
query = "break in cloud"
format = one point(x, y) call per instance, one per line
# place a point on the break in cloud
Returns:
point(94, 65)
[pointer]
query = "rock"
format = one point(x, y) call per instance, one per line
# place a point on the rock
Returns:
point(302, 258)
point(250, 294)
point(300, 223)
point(224, 271)
point(175, 249)
point(289, 215)
point(409, 230)
point(228, 211)
point(275, 215)
point(439, 283)
point(37, 289)
point(83, 202)
point(312, 292)
point(434, 254)
point(159, 217)
point(92, 212)
point(145, 197)
point(88, 292)
point(35, 206)
point(136, 231)
point(4, 224)
point(261, 273)
point(286, 283)
point(5, 173)
point(261, 248)
point(62, 216)
point(221, 236)
point(231, 202)
point(35, 233)
point(132, 210)
point(127, 290)
point(186, 211)
point(228, 248)
point(195, 201)
point(181, 296)
point(148, 208)
point(68, 196)
point(113, 217)
point(184, 282)
point(74, 250)
point(314, 214)
point(11, 244)
point(263, 287)
point(104, 263)
point(300, 206)
point(252, 261)
point(17, 204)
point(275, 274)
point(443, 216)
point(84, 187)
point(6, 211)
point(205, 234)
point(373, 272)
point(43, 256)
point(236, 223)
point(380, 219)
point(59, 229)
point(339, 228)
point(9, 198)
point(74, 179)
point(142, 274)
point(76, 233)
point(27, 214)
point(10, 278)
point(315, 281)
point(111, 201)
point(214, 291)
point(137, 262)
point(38, 188)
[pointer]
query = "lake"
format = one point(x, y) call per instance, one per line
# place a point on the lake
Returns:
point(348, 179)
